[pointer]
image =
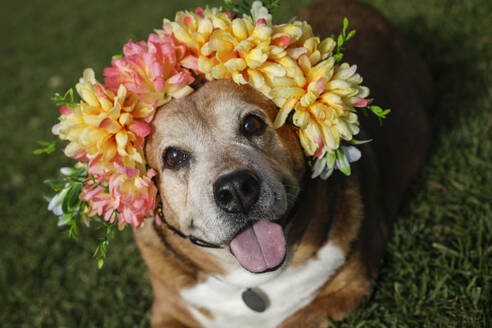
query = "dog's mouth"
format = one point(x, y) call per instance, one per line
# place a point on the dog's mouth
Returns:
point(261, 246)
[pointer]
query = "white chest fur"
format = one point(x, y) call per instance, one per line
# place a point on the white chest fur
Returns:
point(287, 292)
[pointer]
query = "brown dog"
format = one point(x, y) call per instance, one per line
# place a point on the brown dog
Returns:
point(294, 250)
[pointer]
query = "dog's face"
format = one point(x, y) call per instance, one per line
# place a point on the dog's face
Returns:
point(225, 174)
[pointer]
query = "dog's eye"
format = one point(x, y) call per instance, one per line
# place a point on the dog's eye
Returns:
point(252, 125)
point(174, 158)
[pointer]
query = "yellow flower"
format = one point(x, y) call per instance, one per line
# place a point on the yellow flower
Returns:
point(326, 101)
point(285, 62)
point(106, 125)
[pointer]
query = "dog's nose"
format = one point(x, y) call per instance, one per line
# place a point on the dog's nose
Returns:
point(237, 191)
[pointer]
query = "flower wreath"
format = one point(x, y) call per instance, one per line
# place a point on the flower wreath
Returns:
point(106, 129)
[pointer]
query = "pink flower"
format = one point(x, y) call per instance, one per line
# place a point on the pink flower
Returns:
point(319, 152)
point(81, 156)
point(261, 21)
point(360, 102)
point(100, 201)
point(141, 129)
point(152, 70)
point(131, 198)
point(135, 197)
point(65, 110)
point(199, 11)
point(128, 171)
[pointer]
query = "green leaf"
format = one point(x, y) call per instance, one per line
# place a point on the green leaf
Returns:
point(73, 232)
point(102, 249)
point(96, 252)
point(345, 26)
point(351, 35)
point(100, 263)
point(378, 111)
point(49, 147)
point(65, 204)
point(359, 142)
point(72, 197)
point(67, 99)
point(343, 163)
point(340, 42)
point(118, 56)
point(271, 5)
point(331, 160)
point(292, 20)
point(74, 172)
point(73, 194)
point(338, 57)
point(65, 219)
point(56, 185)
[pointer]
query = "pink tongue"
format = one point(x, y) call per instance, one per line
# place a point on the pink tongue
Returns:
point(259, 247)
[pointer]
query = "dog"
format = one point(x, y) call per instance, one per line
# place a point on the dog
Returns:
point(284, 250)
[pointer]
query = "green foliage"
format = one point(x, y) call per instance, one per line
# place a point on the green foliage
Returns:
point(102, 250)
point(358, 142)
point(69, 188)
point(48, 147)
point(342, 39)
point(292, 19)
point(66, 100)
point(331, 158)
point(378, 111)
point(344, 165)
point(243, 7)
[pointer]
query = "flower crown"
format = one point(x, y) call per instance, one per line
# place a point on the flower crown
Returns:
point(106, 129)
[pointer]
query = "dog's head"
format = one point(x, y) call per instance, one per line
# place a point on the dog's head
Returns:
point(225, 174)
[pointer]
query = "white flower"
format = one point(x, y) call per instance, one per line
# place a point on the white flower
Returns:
point(68, 171)
point(338, 160)
point(258, 11)
point(56, 202)
point(323, 166)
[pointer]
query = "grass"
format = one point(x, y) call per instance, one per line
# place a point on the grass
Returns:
point(437, 271)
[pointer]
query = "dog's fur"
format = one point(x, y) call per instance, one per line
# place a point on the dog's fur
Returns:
point(336, 237)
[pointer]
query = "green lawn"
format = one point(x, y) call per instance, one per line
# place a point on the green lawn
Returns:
point(437, 271)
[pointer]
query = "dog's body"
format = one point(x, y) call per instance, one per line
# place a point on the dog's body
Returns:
point(336, 233)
